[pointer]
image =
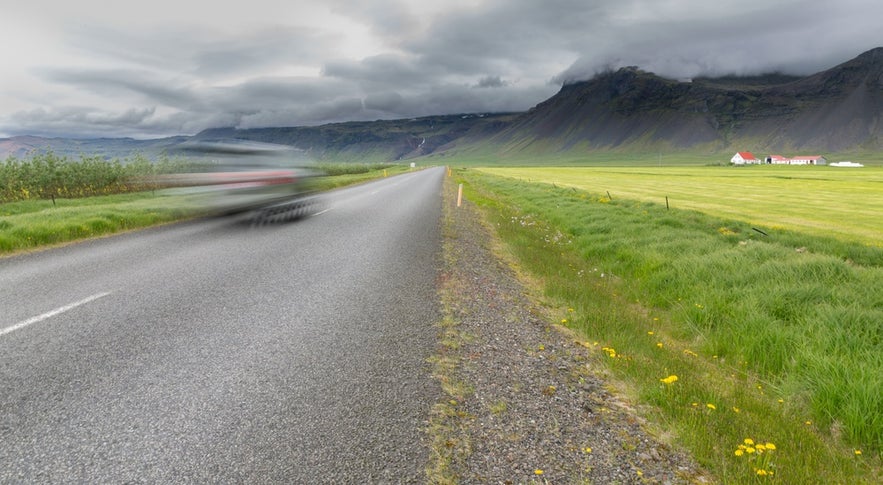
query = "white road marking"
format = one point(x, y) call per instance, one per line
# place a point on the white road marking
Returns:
point(321, 212)
point(50, 314)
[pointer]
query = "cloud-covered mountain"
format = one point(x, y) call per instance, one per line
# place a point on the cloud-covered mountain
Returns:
point(834, 110)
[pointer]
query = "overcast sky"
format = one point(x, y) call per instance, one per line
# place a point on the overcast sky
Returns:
point(146, 69)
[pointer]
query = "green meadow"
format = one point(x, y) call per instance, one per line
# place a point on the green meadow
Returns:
point(845, 203)
point(749, 308)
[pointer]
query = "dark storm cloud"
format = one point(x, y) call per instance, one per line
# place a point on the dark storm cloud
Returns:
point(206, 52)
point(491, 82)
point(748, 37)
point(109, 82)
point(419, 59)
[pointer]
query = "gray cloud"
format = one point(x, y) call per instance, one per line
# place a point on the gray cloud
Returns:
point(191, 72)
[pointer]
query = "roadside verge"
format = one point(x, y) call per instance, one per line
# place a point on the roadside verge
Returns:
point(525, 402)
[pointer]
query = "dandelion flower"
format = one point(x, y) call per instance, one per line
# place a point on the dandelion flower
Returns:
point(761, 472)
point(858, 452)
point(770, 446)
point(735, 409)
point(659, 344)
point(650, 333)
point(587, 449)
point(670, 379)
point(537, 472)
point(711, 406)
point(748, 441)
point(739, 452)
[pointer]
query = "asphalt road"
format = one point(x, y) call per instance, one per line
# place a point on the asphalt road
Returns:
point(215, 351)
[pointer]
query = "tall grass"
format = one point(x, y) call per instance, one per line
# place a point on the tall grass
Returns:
point(769, 340)
point(51, 176)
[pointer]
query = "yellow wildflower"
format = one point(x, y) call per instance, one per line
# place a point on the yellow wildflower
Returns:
point(537, 472)
point(670, 379)
point(770, 446)
point(748, 441)
point(711, 406)
point(739, 452)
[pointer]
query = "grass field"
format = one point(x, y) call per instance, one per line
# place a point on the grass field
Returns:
point(845, 203)
point(718, 332)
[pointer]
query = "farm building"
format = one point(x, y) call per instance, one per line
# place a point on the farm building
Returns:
point(798, 160)
point(744, 158)
point(809, 160)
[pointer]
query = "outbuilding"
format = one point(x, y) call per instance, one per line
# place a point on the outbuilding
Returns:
point(744, 158)
point(809, 160)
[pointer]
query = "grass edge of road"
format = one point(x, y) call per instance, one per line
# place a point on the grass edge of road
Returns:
point(35, 225)
point(449, 441)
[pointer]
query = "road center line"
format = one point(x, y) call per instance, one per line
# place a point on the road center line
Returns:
point(50, 314)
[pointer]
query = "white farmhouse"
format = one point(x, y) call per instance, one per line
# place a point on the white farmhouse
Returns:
point(744, 158)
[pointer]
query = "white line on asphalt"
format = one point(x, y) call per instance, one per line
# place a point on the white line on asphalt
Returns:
point(50, 314)
point(321, 212)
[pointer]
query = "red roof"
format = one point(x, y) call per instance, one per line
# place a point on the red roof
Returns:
point(747, 156)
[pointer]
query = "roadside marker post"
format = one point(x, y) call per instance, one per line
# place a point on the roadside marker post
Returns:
point(460, 195)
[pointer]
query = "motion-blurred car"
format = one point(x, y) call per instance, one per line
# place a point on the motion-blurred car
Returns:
point(239, 176)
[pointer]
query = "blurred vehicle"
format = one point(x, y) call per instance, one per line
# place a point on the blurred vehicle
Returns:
point(233, 176)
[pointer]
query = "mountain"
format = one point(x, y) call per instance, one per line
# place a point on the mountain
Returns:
point(835, 110)
point(628, 110)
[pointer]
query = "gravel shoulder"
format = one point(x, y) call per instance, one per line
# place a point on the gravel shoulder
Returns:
point(526, 402)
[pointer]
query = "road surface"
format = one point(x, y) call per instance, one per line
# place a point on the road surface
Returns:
point(216, 351)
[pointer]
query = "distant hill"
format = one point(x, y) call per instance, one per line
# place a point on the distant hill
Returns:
point(22, 146)
point(628, 110)
point(383, 140)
